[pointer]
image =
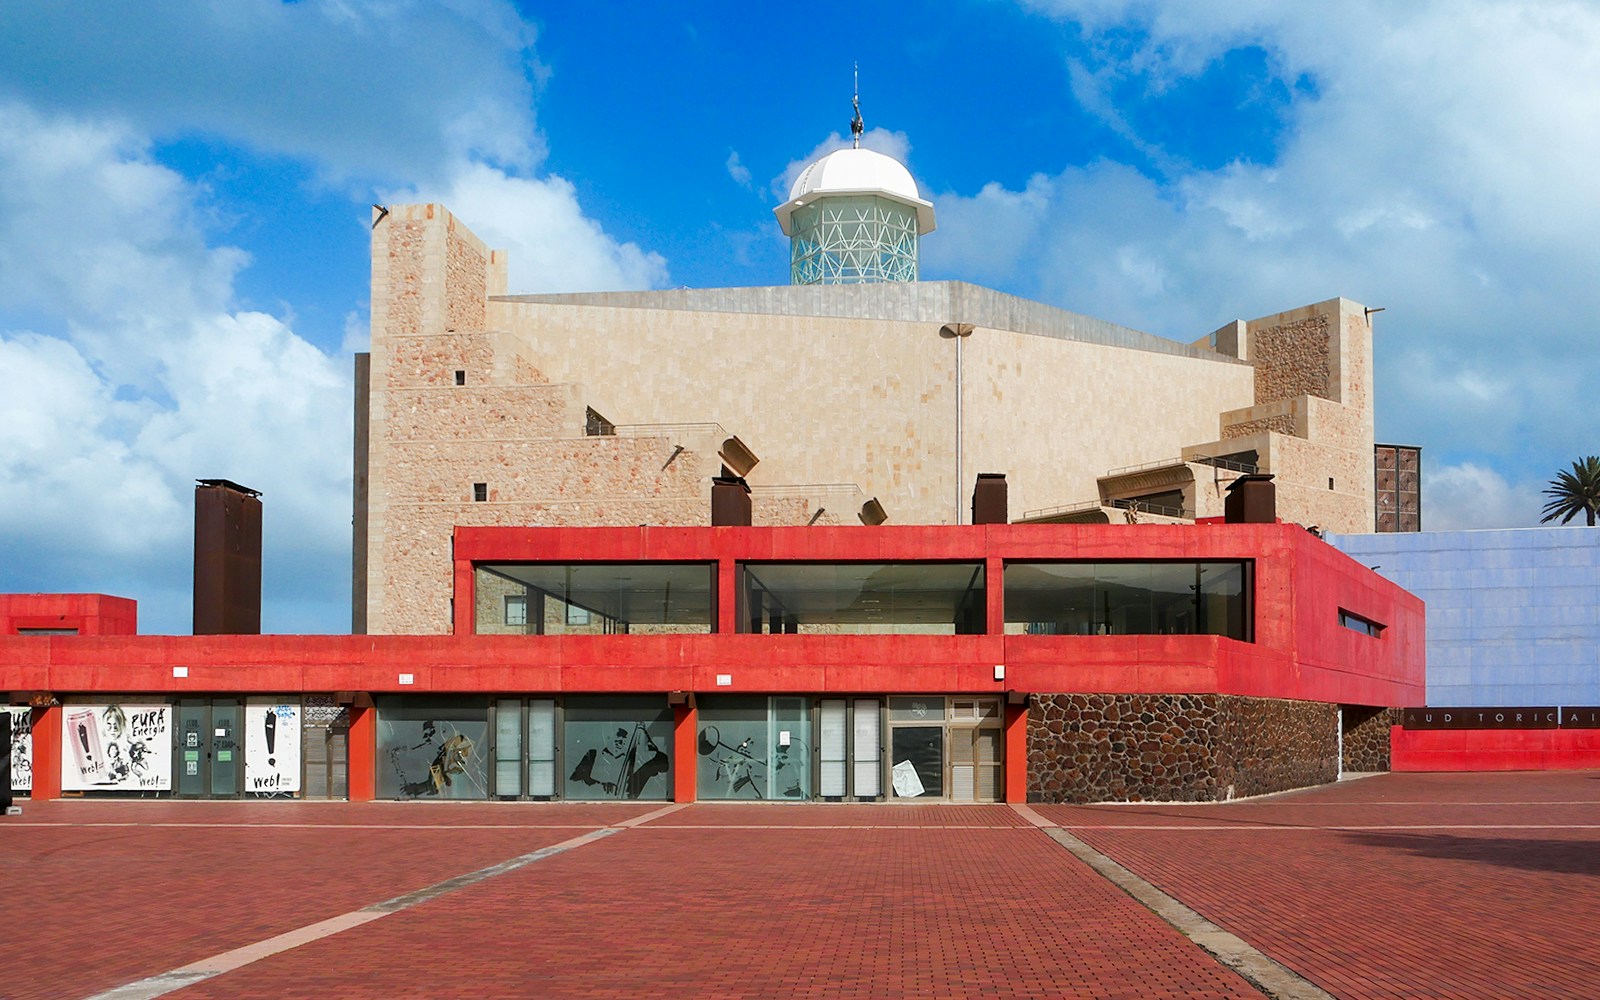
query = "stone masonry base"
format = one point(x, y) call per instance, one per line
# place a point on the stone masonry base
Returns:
point(1366, 737)
point(1177, 747)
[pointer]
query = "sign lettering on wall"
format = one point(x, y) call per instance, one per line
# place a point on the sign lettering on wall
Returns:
point(1542, 717)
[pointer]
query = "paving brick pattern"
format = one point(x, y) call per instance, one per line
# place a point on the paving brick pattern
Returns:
point(102, 905)
point(663, 911)
point(1462, 910)
point(1402, 885)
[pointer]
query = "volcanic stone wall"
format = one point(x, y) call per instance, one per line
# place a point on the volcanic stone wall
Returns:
point(1366, 737)
point(1176, 747)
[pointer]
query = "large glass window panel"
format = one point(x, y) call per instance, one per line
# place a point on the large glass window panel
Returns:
point(432, 747)
point(618, 747)
point(508, 747)
point(754, 747)
point(833, 749)
point(856, 598)
point(789, 735)
point(1128, 598)
point(867, 752)
point(542, 748)
point(593, 598)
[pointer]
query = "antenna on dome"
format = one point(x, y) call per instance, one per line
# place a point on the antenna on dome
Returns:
point(856, 125)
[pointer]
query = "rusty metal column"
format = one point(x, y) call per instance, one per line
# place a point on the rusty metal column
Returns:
point(227, 559)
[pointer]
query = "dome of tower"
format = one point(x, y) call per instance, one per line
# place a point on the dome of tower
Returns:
point(855, 172)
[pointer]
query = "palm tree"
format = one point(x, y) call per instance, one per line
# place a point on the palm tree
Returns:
point(1574, 492)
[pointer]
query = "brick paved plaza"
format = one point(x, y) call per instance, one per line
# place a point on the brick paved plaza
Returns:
point(1446, 885)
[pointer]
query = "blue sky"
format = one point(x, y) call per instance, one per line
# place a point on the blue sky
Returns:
point(184, 192)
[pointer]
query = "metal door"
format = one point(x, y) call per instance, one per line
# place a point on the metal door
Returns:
point(194, 748)
point(227, 749)
point(209, 757)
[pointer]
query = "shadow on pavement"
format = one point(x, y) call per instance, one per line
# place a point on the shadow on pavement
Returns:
point(1567, 857)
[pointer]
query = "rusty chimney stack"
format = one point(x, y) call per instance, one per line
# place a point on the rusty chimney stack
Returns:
point(1251, 500)
point(989, 499)
point(227, 558)
point(730, 500)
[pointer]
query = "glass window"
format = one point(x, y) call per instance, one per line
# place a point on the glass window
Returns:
point(432, 747)
point(516, 609)
point(508, 747)
point(754, 748)
point(856, 598)
point(542, 748)
point(1128, 598)
point(618, 747)
point(593, 598)
point(1355, 622)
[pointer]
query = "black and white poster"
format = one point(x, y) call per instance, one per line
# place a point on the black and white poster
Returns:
point(21, 748)
point(271, 746)
point(116, 748)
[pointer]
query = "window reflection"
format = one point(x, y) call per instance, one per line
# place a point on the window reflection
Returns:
point(862, 598)
point(593, 598)
point(1128, 598)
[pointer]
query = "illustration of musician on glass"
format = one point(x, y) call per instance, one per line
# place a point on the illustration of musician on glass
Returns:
point(623, 766)
point(450, 755)
point(746, 771)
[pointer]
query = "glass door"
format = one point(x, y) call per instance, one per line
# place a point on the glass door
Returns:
point(226, 748)
point(916, 747)
point(194, 716)
point(849, 748)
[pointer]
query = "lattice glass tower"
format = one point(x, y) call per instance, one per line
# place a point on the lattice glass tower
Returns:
point(854, 216)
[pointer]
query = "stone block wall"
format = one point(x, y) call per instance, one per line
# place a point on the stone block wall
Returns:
point(1292, 359)
point(1270, 745)
point(1175, 747)
point(1366, 737)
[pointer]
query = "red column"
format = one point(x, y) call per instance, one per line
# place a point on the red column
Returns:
point(1017, 754)
point(685, 751)
point(363, 753)
point(465, 599)
point(727, 596)
point(994, 595)
point(46, 753)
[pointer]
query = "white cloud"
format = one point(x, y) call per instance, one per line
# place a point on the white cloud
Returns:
point(738, 171)
point(356, 89)
point(1438, 164)
point(140, 378)
point(117, 301)
point(553, 246)
point(1472, 496)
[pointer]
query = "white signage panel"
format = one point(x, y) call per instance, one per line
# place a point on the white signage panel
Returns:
point(271, 746)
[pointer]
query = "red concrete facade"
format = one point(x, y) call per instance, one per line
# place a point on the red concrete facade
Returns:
point(1494, 749)
point(87, 614)
point(1300, 650)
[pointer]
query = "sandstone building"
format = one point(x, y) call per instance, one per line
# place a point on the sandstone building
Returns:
point(478, 407)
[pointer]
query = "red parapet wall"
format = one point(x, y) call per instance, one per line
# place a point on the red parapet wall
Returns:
point(87, 614)
point(1493, 749)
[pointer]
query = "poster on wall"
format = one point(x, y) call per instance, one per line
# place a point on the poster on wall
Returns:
point(271, 747)
point(21, 748)
point(126, 748)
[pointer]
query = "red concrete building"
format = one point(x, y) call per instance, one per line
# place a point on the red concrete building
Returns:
point(955, 663)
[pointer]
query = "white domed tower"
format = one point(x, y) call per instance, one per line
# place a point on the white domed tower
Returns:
point(854, 216)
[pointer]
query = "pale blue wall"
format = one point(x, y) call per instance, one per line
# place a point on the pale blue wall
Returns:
point(1513, 616)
